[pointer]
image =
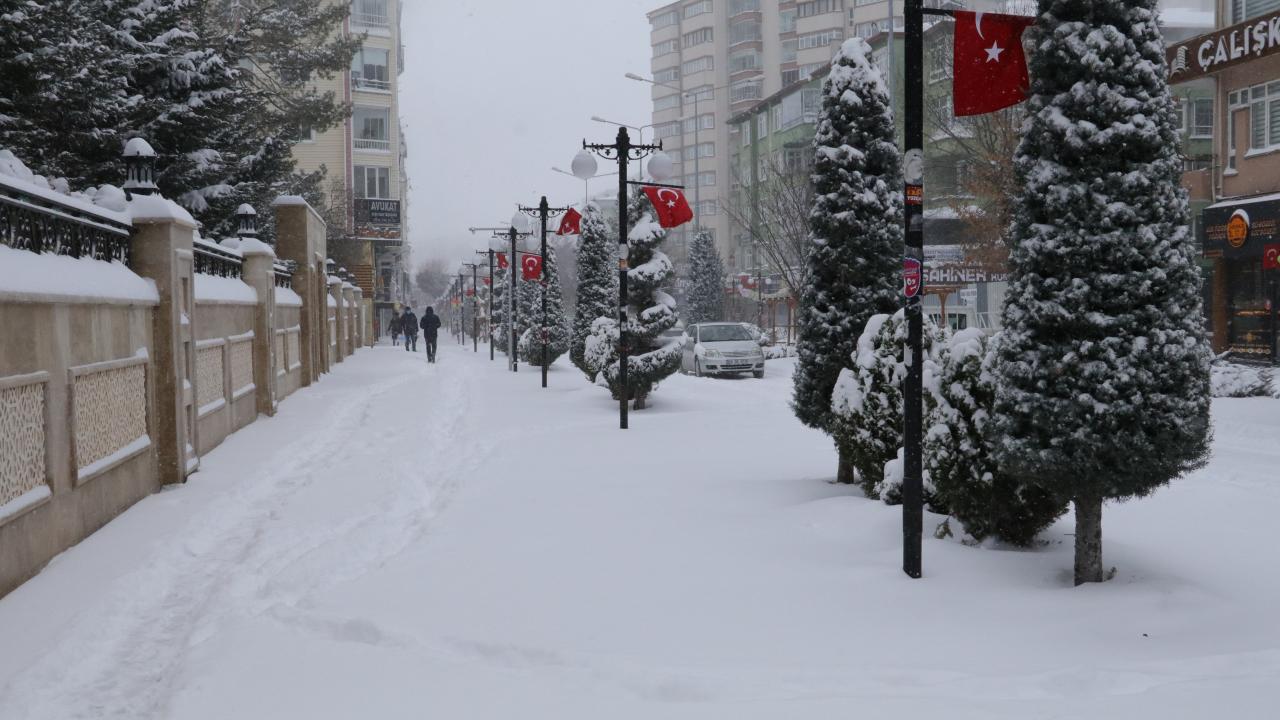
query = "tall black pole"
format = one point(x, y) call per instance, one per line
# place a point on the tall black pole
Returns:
point(475, 316)
point(624, 149)
point(489, 323)
point(543, 209)
point(462, 310)
point(511, 304)
point(913, 284)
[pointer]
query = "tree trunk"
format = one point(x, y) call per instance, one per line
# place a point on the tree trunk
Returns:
point(639, 403)
point(844, 470)
point(1088, 539)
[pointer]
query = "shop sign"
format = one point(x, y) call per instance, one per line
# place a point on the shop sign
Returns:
point(1242, 230)
point(1238, 228)
point(1271, 257)
point(910, 277)
point(1223, 49)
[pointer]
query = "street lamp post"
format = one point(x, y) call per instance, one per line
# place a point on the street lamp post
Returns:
point(621, 150)
point(542, 212)
point(462, 311)
point(489, 335)
point(475, 298)
point(513, 232)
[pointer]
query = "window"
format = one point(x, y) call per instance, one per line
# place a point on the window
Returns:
point(745, 90)
point(666, 130)
point(666, 47)
point(1201, 112)
point(819, 7)
point(939, 62)
point(699, 8)
point(1242, 10)
point(666, 19)
point(708, 207)
point(372, 182)
point(702, 93)
point(670, 74)
point(793, 160)
point(790, 76)
point(820, 39)
point(706, 121)
point(789, 48)
point(666, 102)
point(697, 65)
point(369, 13)
point(809, 69)
point(762, 125)
point(744, 60)
point(708, 179)
point(1263, 105)
point(698, 37)
point(744, 31)
point(371, 128)
point(701, 150)
point(810, 103)
point(745, 132)
point(369, 69)
point(787, 20)
point(741, 6)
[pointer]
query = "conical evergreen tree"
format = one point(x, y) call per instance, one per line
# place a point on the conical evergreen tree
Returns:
point(706, 281)
point(855, 228)
point(650, 312)
point(597, 283)
point(533, 350)
point(1103, 366)
point(499, 331)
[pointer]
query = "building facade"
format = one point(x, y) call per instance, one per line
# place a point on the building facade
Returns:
point(366, 186)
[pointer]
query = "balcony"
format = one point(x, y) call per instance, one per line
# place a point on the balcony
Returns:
point(360, 82)
point(375, 144)
point(370, 20)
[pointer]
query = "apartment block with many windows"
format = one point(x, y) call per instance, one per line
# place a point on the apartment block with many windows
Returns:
point(365, 162)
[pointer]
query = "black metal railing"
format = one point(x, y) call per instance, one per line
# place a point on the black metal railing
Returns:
point(284, 273)
point(213, 259)
point(30, 221)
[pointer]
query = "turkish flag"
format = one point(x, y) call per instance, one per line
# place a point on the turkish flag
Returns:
point(571, 223)
point(470, 292)
point(990, 68)
point(1271, 257)
point(671, 206)
point(531, 267)
point(488, 281)
point(502, 260)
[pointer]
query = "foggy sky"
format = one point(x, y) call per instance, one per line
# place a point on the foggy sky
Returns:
point(495, 93)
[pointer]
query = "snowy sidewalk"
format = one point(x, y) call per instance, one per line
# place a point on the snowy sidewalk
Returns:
point(408, 540)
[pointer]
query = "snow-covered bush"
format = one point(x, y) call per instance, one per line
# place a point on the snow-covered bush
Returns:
point(531, 344)
point(706, 281)
point(959, 460)
point(855, 228)
point(1233, 380)
point(867, 399)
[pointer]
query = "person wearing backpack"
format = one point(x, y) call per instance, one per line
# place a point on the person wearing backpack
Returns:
point(430, 327)
point(409, 326)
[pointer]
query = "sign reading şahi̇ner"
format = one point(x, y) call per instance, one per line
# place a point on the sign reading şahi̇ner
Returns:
point(1225, 48)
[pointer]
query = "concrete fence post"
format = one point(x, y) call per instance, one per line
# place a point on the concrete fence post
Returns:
point(339, 320)
point(301, 237)
point(352, 318)
point(360, 331)
point(259, 273)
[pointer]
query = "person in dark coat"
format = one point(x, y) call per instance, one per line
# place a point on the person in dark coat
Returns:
point(409, 326)
point(430, 326)
point(395, 329)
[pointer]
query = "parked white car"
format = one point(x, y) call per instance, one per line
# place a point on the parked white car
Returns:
point(722, 348)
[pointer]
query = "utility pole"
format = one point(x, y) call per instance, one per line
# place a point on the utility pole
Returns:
point(913, 288)
point(475, 316)
point(489, 335)
point(542, 212)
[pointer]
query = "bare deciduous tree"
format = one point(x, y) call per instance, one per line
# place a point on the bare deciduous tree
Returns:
point(776, 213)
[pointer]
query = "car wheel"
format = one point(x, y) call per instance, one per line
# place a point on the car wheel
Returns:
point(758, 374)
point(697, 368)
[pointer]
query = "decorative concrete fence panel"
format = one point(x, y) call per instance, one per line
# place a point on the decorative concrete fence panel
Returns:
point(108, 415)
point(24, 480)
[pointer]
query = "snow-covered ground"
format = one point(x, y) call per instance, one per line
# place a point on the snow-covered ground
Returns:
point(408, 540)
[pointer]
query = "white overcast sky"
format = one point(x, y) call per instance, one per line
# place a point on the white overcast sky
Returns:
point(495, 93)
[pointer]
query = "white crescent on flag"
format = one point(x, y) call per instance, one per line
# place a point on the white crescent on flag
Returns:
point(674, 194)
point(977, 24)
point(531, 264)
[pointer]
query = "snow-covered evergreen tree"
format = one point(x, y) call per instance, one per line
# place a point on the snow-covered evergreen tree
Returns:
point(1103, 367)
point(597, 283)
point(866, 403)
point(959, 451)
point(706, 281)
point(557, 325)
point(499, 331)
point(856, 231)
point(650, 312)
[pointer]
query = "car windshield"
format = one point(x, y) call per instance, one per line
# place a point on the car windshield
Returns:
point(723, 333)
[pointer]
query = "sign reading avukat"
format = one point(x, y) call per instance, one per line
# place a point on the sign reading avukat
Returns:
point(1225, 48)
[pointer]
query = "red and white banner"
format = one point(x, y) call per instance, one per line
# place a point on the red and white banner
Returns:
point(989, 66)
point(670, 204)
point(502, 260)
point(531, 267)
point(1271, 257)
point(571, 223)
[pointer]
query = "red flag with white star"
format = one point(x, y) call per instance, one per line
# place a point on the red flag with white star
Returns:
point(671, 206)
point(531, 267)
point(570, 224)
point(502, 260)
point(990, 69)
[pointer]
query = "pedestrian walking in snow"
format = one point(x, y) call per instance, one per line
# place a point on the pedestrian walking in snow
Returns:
point(409, 326)
point(430, 325)
point(395, 329)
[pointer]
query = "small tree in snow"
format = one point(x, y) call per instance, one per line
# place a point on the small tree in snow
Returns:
point(959, 451)
point(1103, 368)
point(866, 403)
point(856, 231)
point(597, 284)
point(650, 312)
point(499, 331)
point(706, 281)
point(532, 348)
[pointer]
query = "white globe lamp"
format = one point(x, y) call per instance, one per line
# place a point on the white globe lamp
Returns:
point(660, 166)
point(584, 165)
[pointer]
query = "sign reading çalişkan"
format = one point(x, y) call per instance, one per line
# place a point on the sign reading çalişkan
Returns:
point(1225, 48)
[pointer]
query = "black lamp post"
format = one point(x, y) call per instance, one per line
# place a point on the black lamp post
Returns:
point(621, 150)
point(542, 212)
point(475, 316)
point(489, 335)
point(513, 234)
point(462, 310)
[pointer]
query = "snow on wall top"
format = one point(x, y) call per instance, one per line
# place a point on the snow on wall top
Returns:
point(155, 208)
point(137, 147)
point(286, 296)
point(107, 202)
point(26, 276)
point(223, 290)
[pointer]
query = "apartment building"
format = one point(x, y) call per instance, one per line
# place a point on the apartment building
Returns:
point(365, 162)
point(1238, 228)
point(713, 59)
